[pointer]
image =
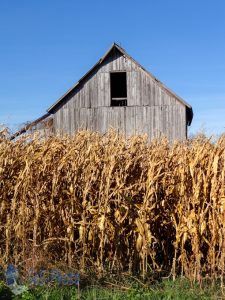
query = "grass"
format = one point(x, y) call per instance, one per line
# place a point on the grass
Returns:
point(181, 289)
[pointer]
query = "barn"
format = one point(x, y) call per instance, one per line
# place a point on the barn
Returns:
point(117, 92)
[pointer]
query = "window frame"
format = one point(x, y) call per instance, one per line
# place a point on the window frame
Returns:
point(122, 99)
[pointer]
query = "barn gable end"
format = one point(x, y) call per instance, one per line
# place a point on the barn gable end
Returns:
point(151, 107)
point(147, 105)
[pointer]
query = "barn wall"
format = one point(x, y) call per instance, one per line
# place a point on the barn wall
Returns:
point(150, 108)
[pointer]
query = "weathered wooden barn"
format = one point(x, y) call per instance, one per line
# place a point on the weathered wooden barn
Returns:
point(119, 93)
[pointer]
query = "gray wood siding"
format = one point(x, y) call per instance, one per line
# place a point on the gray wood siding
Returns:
point(150, 108)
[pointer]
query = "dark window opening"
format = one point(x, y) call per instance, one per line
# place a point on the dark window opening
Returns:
point(118, 82)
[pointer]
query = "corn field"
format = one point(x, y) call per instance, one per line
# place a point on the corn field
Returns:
point(107, 203)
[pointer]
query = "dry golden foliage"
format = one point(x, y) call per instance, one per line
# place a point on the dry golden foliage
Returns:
point(105, 202)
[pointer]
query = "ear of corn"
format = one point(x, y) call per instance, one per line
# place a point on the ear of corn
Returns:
point(107, 202)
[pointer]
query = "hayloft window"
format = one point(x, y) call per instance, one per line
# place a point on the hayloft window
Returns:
point(118, 83)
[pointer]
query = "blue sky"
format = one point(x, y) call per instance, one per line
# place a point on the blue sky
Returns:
point(46, 46)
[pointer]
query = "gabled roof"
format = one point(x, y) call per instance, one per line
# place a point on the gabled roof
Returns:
point(123, 52)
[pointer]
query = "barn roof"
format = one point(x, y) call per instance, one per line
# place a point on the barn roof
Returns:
point(123, 52)
point(29, 126)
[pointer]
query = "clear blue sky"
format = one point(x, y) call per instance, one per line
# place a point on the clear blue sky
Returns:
point(46, 46)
